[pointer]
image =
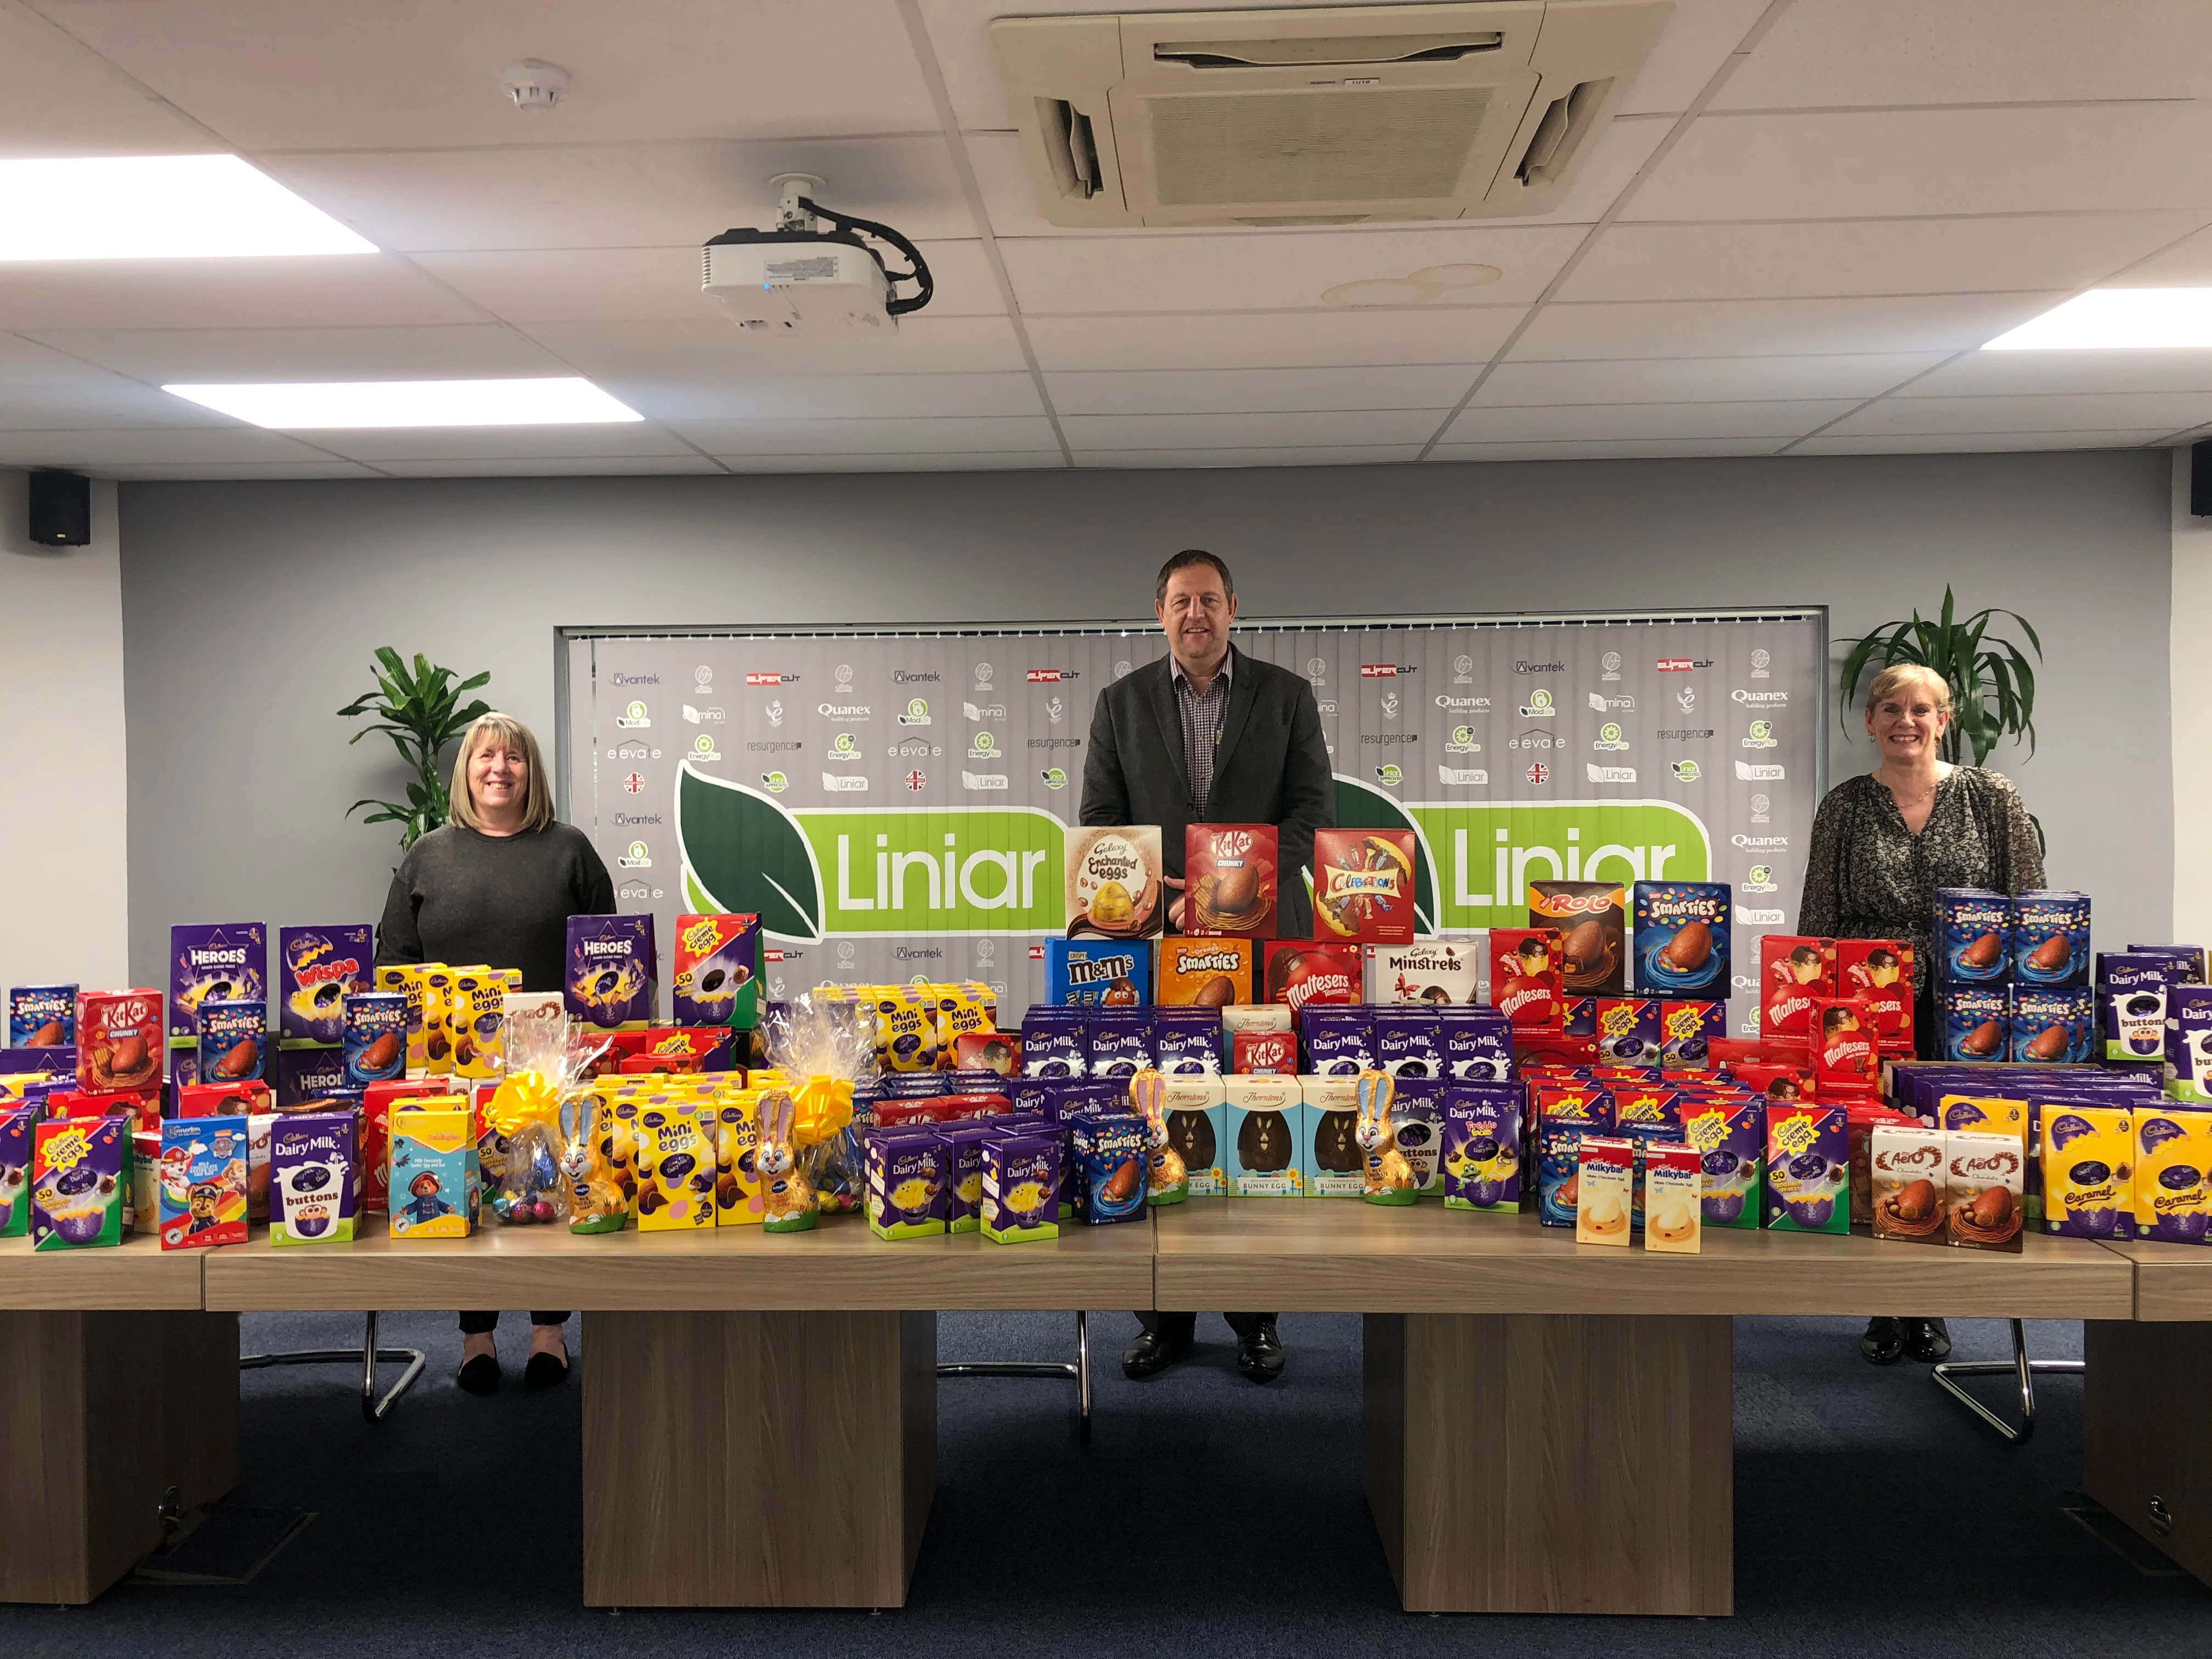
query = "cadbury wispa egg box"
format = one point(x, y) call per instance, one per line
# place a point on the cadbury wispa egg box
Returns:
point(316, 967)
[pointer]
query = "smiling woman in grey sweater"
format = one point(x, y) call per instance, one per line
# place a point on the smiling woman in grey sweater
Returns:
point(497, 886)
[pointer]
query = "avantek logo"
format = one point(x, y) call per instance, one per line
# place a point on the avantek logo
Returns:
point(770, 679)
point(1387, 671)
point(1052, 675)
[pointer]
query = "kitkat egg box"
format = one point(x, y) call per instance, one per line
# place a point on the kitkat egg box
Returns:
point(1230, 879)
point(119, 1042)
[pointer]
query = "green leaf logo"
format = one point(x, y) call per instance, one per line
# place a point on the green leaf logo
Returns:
point(743, 852)
point(1685, 771)
point(843, 744)
point(774, 782)
point(1055, 778)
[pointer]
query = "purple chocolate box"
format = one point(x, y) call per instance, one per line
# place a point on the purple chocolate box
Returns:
point(209, 962)
point(612, 969)
point(316, 968)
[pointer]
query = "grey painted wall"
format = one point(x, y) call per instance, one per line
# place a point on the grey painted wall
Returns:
point(249, 609)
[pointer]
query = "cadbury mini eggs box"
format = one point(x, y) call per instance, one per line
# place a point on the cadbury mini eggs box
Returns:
point(611, 976)
point(1681, 946)
point(316, 967)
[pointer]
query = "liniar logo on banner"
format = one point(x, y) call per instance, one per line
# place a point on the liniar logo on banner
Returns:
point(811, 872)
point(1487, 856)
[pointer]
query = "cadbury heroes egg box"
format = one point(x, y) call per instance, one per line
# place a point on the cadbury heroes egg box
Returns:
point(610, 983)
point(210, 962)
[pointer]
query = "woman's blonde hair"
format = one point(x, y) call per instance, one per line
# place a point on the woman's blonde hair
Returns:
point(538, 800)
point(1896, 678)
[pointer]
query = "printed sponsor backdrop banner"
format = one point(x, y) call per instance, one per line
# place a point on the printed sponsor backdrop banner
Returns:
point(894, 804)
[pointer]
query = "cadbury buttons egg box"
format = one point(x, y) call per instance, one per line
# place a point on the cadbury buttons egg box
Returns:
point(1681, 942)
point(611, 976)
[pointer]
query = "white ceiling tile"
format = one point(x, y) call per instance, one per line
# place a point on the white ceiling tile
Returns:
point(56, 98)
point(376, 445)
point(1017, 460)
point(1736, 328)
point(2188, 264)
point(1698, 40)
point(1620, 152)
point(1698, 380)
point(100, 445)
point(299, 293)
point(1328, 429)
point(1218, 390)
point(1340, 455)
point(642, 195)
point(1580, 421)
point(1993, 373)
point(1455, 334)
point(541, 466)
point(1974, 443)
point(714, 350)
point(223, 355)
point(829, 396)
point(1834, 52)
point(660, 284)
point(1617, 449)
point(1885, 255)
point(314, 74)
point(2168, 411)
point(174, 471)
point(1256, 271)
point(960, 35)
point(97, 398)
point(1893, 164)
point(731, 440)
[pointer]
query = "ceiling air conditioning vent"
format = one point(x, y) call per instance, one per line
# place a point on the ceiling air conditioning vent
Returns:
point(1333, 115)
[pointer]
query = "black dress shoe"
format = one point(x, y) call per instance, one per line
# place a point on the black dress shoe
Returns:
point(1150, 1354)
point(545, 1370)
point(1883, 1343)
point(480, 1375)
point(1260, 1353)
point(1927, 1340)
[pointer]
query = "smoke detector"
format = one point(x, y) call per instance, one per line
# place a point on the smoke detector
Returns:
point(533, 83)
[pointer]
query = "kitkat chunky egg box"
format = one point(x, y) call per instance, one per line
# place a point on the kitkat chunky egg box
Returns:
point(1229, 879)
point(118, 1047)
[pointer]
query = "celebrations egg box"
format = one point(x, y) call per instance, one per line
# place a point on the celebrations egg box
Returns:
point(1363, 885)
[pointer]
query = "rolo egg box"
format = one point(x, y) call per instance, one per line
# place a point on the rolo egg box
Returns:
point(1592, 920)
point(1525, 979)
point(1973, 936)
point(1795, 971)
point(1682, 939)
point(2173, 1153)
point(1329, 1150)
point(1264, 1126)
point(315, 968)
point(81, 1172)
point(1481, 1152)
point(1229, 879)
point(715, 979)
point(1204, 973)
point(2088, 1155)
point(1197, 1117)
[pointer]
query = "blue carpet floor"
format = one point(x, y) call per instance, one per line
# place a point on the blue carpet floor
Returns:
point(1207, 1516)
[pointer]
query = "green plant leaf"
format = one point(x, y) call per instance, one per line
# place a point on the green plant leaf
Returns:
point(748, 853)
point(1360, 807)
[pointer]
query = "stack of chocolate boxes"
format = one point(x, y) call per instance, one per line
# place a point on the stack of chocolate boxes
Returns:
point(2012, 976)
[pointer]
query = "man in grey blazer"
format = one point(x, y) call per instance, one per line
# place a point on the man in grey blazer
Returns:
point(1208, 735)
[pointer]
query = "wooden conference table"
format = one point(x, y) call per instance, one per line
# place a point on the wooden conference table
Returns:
point(1547, 1425)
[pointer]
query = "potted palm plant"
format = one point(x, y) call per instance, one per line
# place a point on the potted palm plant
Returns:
point(1992, 683)
point(420, 710)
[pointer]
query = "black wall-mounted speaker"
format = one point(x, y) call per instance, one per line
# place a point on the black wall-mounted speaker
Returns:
point(2200, 478)
point(61, 509)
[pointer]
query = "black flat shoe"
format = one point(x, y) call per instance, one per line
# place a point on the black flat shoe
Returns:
point(1883, 1343)
point(1927, 1340)
point(545, 1370)
point(1259, 1354)
point(480, 1375)
point(1150, 1354)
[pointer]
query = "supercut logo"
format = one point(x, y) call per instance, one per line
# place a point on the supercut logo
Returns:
point(1052, 675)
point(1387, 671)
point(762, 678)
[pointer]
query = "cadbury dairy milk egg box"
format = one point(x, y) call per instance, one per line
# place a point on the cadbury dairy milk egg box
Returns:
point(2189, 1043)
point(2132, 988)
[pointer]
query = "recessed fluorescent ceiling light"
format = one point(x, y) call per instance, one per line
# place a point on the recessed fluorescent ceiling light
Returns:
point(2107, 319)
point(158, 207)
point(289, 407)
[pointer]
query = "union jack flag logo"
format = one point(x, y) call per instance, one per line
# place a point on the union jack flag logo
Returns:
point(915, 780)
point(1538, 773)
point(634, 783)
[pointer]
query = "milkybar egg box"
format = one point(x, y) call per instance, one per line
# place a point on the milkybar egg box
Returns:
point(1204, 973)
point(1984, 1190)
point(41, 1016)
point(1605, 1190)
point(1674, 1199)
point(1973, 937)
point(1905, 1167)
point(715, 979)
point(2173, 1154)
point(119, 1048)
point(611, 965)
point(210, 964)
point(676, 1167)
point(1795, 971)
point(315, 968)
point(2088, 1156)
point(1113, 887)
point(1525, 983)
point(1196, 1112)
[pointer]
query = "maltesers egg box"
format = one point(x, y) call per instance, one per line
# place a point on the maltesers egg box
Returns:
point(1299, 973)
